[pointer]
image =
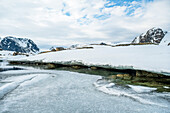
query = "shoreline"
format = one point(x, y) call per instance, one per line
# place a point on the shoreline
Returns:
point(129, 70)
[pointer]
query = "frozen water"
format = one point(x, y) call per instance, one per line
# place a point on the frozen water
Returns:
point(51, 91)
point(138, 93)
point(65, 92)
point(141, 89)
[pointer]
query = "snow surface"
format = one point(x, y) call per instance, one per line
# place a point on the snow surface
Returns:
point(137, 39)
point(149, 57)
point(166, 40)
point(8, 55)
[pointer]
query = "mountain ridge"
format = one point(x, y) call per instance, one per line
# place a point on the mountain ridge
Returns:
point(153, 35)
point(23, 45)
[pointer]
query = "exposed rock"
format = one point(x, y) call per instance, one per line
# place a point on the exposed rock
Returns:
point(74, 46)
point(123, 76)
point(102, 43)
point(77, 46)
point(18, 53)
point(22, 45)
point(169, 44)
point(94, 68)
point(76, 67)
point(120, 75)
point(112, 77)
point(127, 77)
point(140, 73)
point(57, 48)
point(154, 35)
point(52, 49)
point(84, 48)
point(51, 66)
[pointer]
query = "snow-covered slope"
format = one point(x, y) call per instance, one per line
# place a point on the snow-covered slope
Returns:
point(23, 45)
point(154, 35)
point(166, 40)
point(151, 57)
point(7, 55)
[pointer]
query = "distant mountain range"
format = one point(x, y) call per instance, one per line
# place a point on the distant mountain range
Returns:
point(154, 35)
point(22, 45)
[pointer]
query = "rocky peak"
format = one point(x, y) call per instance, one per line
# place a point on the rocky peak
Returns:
point(154, 35)
point(23, 45)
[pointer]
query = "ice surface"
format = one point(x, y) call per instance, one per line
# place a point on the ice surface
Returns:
point(38, 78)
point(64, 92)
point(15, 82)
point(141, 89)
point(111, 89)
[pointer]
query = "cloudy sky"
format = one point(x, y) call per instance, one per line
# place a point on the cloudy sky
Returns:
point(66, 22)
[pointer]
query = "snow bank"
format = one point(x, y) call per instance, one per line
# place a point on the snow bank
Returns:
point(149, 57)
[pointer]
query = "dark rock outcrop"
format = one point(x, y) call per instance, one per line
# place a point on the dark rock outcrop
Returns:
point(22, 45)
point(154, 36)
point(102, 43)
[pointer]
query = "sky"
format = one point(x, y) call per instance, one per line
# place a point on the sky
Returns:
point(68, 22)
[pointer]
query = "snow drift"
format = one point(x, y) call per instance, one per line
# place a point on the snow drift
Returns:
point(153, 58)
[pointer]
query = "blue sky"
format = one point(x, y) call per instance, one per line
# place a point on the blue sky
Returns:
point(66, 22)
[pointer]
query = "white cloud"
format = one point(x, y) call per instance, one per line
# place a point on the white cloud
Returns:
point(46, 22)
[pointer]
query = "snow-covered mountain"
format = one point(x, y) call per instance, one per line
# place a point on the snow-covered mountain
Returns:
point(154, 35)
point(23, 45)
